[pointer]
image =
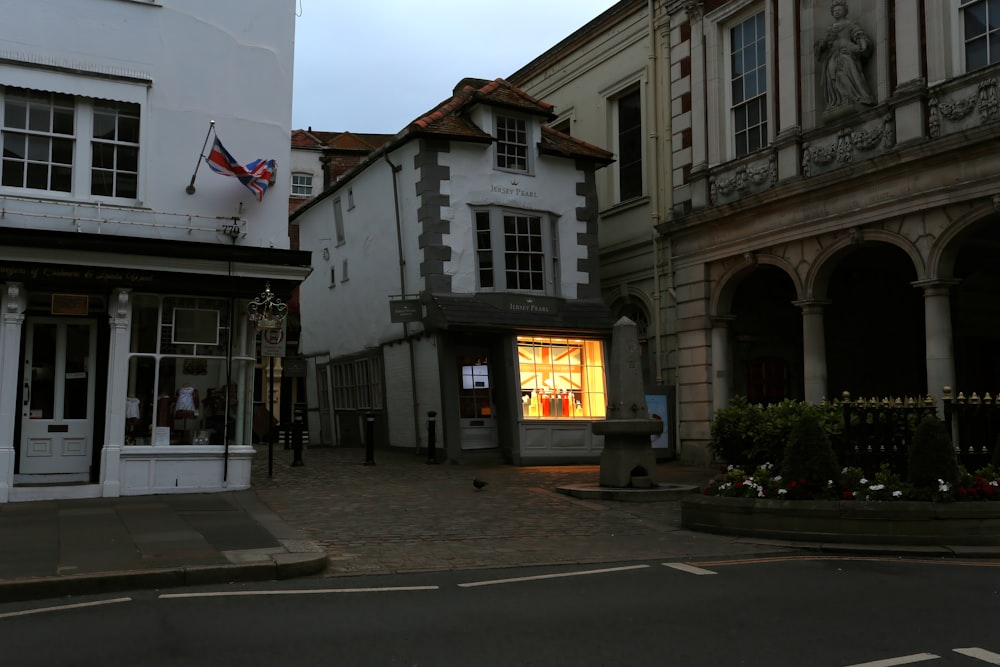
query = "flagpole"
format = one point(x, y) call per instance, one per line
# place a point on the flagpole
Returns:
point(190, 188)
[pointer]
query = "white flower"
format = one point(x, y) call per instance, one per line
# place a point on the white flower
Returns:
point(777, 478)
point(876, 487)
point(897, 494)
point(724, 486)
point(731, 468)
point(943, 486)
point(760, 493)
point(994, 483)
point(862, 481)
point(829, 483)
point(782, 492)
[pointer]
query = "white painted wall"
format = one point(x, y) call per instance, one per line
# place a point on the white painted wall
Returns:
point(178, 59)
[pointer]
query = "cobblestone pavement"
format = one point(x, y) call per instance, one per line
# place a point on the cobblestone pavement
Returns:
point(403, 515)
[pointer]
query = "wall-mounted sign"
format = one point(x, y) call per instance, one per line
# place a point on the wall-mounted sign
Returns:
point(272, 342)
point(70, 304)
point(405, 310)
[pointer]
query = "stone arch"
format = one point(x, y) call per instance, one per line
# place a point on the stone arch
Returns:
point(721, 300)
point(944, 251)
point(825, 263)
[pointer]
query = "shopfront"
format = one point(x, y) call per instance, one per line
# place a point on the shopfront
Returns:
point(129, 380)
point(523, 392)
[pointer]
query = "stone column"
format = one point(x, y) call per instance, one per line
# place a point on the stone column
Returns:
point(722, 381)
point(910, 78)
point(628, 458)
point(13, 304)
point(119, 318)
point(939, 346)
point(813, 350)
point(787, 137)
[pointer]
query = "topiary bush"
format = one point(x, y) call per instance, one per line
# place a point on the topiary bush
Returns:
point(931, 456)
point(734, 430)
point(809, 465)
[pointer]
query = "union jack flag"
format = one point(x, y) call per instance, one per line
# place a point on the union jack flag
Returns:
point(256, 176)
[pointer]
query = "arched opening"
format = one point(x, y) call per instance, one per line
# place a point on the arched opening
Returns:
point(875, 325)
point(975, 307)
point(767, 337)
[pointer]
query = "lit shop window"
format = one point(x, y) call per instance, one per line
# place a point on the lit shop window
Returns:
point(561, 378)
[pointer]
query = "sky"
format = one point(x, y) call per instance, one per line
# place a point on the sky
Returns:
point(374, 66)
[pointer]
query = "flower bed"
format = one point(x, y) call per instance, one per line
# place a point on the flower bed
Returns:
point(918, 523)
point(874, 509)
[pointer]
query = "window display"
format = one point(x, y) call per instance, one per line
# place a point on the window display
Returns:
point(191, 393)
point(561, 378)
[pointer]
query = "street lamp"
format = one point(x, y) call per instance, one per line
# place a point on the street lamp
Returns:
point(267, 312)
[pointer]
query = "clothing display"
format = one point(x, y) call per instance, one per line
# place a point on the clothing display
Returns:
point(187, 402)
point(132, 410)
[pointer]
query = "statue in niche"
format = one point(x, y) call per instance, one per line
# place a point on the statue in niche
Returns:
point(842, 53)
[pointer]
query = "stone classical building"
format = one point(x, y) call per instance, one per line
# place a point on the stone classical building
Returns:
point(455, 281)
point(833, 177)
point(127, 358)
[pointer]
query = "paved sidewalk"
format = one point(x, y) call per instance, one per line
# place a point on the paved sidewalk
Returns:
point(403, 515)
point(336, 516)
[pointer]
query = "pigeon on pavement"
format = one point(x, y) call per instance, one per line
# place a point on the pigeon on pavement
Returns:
point(478, 483)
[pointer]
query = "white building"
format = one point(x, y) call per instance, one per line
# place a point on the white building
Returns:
point(126, 277)
point(455, 273)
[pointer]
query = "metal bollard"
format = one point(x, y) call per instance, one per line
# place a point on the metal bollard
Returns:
point(431, 451)
point(295, 433)
point(369, 440)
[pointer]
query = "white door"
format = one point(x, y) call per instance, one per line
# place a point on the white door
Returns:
point(477, 425)
point(57, 401)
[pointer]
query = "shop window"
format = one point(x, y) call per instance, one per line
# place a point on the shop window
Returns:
point(474, 395)
point(191, 372)
point(561, 378)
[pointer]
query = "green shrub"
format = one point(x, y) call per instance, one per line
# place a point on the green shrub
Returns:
point(809, 465)
point(932, 460)
point(734, 430)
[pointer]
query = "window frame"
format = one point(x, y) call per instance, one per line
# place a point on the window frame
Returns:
point(491, 260)
point(83, 144)
point(338, 221)
point(965, 6)
point(764, 101)
point(302, 190)
point(499, 154)
point(617, 141)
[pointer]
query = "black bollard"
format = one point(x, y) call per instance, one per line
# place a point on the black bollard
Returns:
point(295, 433)
point(431, 451)
point(369, 440)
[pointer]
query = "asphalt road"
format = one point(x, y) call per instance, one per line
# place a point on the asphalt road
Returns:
point(794, 611)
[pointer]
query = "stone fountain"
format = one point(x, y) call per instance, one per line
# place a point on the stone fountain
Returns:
point(628, 459)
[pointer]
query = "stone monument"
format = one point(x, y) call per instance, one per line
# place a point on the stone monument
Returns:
point(628, 459)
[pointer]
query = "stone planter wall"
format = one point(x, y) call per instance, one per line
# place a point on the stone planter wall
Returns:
point(847, 521)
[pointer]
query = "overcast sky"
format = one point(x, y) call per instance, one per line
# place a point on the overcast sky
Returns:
point(374, 66)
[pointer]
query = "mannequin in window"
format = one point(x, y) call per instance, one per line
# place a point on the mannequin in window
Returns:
point(187, 404)
point(133, 411)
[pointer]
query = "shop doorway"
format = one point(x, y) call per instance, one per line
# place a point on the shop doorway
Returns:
point(57, 400)
point(477, 421)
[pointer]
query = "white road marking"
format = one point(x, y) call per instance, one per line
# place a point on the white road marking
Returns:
point(551, 576)
point(902, 660)
point(79, 605)
point(317, 591)
point(690, 569)
point(980, 654)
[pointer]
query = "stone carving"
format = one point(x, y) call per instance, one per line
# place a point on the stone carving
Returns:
point(847, 144)
point(842, 53)
point(985, 99)
point(745, 178)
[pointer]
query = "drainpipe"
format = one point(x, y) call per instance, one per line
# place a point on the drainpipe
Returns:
point(402, 290)
point(654, 170)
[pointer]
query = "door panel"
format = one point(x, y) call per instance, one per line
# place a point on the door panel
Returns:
point(58, 398)
point(477, 425)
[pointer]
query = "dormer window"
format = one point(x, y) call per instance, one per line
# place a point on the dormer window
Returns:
point(512, 143)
